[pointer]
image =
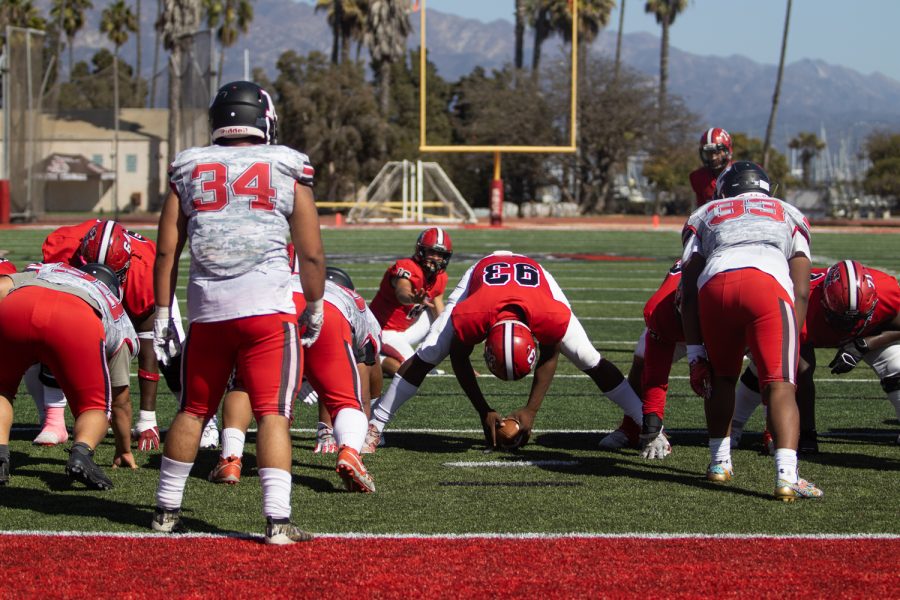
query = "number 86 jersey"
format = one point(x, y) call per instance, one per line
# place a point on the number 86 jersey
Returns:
point(747, 231)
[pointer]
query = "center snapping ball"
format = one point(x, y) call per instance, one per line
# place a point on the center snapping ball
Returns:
point(510, 435)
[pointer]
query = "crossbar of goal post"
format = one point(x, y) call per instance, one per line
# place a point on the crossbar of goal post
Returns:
point(496, 207)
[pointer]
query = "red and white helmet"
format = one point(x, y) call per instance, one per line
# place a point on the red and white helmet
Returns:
point(433, 240)
point(848, 295)
point(713, 140)
point(107, 243)
point(509, 350)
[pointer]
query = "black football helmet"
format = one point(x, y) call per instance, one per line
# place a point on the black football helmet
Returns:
point(104, 275)
point(340, 277)
point(742, 177)
point(243, 109)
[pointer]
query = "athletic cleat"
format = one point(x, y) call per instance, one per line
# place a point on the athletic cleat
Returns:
point(281, 532)
point(81, 467)
point(788, 492)
point(209, 440)
point(352, 470)
point(227, 471)
point(809, 442)
point(768, 443)
point(4, 471)
point(374, 439)
point(325, 442)
point(50, 436)
point(167, 521)
point(719, 472)
point(626, 436)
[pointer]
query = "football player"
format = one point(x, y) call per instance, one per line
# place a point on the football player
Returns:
point(513, 305)
point(235, 202)
point(6, 267)
point(411, 297)
point(715, 154)
point(131, 256)
point(342, 368)
point(855, 309)
point(73, 321)
point(745, 283)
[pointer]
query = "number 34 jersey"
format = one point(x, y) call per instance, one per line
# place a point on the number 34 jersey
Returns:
point(500, 280)
point(747, 231)
point(238, 200)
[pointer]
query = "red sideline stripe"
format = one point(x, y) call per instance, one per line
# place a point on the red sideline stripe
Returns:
point(429, 567)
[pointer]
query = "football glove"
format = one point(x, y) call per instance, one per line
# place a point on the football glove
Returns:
point(848, 356)
point(148, 439)
point(325, 442)
point(701, 371)
point(655, 446)
point(307, 394)
point(166, 344)
point(311, 320)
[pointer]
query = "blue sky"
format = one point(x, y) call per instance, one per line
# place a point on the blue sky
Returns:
point(861, 35)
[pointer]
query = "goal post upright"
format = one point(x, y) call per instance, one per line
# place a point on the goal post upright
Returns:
point(496, 150)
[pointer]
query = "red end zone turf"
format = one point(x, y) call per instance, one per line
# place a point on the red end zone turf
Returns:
point(71, 566)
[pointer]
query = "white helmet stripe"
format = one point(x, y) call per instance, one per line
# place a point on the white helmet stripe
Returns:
point(108, 229)
point(440, 236)
point(508, 360)
point(852, 287)
point(709, 135)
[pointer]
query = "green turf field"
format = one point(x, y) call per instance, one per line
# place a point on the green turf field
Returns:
point(433, 476)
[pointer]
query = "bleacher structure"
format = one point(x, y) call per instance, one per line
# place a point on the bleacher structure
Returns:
point(412, 192)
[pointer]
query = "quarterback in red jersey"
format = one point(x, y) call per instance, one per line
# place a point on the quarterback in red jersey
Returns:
point(411, 297)
point(513, 305)
point(715, 154)
point(131, 257)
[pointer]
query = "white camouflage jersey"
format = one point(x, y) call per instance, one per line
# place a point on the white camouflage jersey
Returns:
point(238, 200)
point(750, 230)
point(61, 277)
point(363, 324)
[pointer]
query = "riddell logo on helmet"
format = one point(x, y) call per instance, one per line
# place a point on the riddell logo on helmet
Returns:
point(234, 130)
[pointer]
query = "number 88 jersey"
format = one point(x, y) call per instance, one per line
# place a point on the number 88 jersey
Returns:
point(750, 230)
point(504, 279)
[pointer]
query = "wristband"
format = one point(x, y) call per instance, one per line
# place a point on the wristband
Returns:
point(162, 313)
point(314, 306)
point(861, 345)
point(695, 351)
point(147, 375)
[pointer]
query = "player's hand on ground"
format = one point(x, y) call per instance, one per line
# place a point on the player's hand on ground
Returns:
point(525, 418)
point(124, 459)
point(148, 439)
point(490, 422)
point(655, 446)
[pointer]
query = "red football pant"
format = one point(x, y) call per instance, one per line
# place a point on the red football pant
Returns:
point(331, 366)
point(265, 353)
point(655, 375)
point(63, 332)
point(747, 308)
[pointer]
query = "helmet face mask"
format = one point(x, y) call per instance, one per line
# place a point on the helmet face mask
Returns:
point(433, 250)
point(243, 109)
point(107, 244)
point(849, 297)
point(509, 350)
point(742, 177)
point(715, 148)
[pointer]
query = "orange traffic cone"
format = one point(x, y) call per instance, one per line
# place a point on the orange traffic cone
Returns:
point(655, 221)
point(338, 220)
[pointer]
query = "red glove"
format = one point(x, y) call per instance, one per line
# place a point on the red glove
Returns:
point(701, 371)
point(148, 439)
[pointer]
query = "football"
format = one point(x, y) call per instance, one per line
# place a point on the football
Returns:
point(510, 436)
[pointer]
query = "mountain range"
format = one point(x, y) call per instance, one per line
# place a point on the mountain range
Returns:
point(732, 92)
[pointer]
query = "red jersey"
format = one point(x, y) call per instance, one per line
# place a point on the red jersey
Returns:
point(821, 334)
point(497, 281)
point(6, 267)
point(660, 314)
point(704, 183)
point(137, 295)
point(390, 313)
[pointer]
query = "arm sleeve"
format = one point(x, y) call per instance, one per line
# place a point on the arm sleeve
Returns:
point(555, 289)
point(459, 293)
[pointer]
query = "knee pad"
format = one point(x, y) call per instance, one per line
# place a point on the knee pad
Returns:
point(891, 384)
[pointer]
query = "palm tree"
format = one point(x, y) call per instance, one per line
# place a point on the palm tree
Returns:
point(618, 61)
point(665, 12)
point(137, 42)
point(117, 21)
point(229, 18)
point(179, 19)
point(347, 19)
point(387, 27)
point(521, 18)
point(809, 145)
point(770, 127)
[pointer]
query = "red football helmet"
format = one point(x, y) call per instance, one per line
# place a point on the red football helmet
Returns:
point(107, 243)
point(848, 295)
point(509, 350)
point(713, 141)
point(433, 241)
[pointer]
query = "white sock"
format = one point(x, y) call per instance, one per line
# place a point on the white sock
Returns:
point(233, 442)
point(276, 490)
point(390, 402)
point(894, 397)
point(350, 426)
point(146, 420)
point(745, 403)
point(720, 450)
point(786, 464)
point(173, 476)
point(623, 395)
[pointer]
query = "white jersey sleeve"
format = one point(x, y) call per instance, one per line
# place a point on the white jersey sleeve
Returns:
point(363, 325)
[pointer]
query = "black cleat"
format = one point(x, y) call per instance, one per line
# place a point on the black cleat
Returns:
point(81, 467)
point(4, 471)
point(809, 442)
